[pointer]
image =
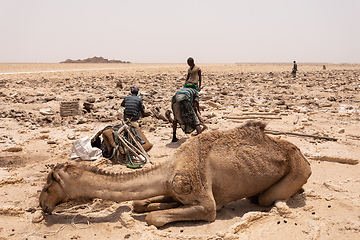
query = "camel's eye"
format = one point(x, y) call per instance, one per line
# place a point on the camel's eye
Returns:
point(46, 190)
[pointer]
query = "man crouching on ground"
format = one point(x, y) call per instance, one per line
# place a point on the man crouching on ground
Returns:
point(133, 105)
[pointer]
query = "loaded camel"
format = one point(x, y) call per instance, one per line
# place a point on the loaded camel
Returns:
point(205, 173)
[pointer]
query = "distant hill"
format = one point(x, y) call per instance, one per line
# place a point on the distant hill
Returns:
point(94, 60)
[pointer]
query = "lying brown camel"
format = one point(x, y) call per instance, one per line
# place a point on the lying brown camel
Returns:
point(205, 173)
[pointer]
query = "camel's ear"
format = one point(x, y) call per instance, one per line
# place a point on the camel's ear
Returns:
point(57, 178)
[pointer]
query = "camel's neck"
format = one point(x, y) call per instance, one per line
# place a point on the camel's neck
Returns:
point(135, 185)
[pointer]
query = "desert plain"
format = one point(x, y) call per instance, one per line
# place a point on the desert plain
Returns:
point(318, 110)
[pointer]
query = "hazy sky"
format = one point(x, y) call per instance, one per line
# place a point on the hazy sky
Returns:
point(167, 31)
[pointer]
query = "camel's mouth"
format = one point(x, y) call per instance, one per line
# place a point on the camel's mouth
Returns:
point(47, 210)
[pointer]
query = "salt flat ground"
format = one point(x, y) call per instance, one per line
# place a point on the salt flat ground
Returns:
point(316, 102)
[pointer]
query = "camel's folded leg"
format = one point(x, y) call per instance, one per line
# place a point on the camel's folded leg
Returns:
point(183, 213)
point(283, 189)
point(155, 203)
point(289, 184)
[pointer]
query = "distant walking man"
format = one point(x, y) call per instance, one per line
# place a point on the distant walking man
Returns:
point(194, 74)
point(294, 70)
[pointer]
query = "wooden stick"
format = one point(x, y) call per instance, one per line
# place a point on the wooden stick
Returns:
point(237, 121)
point(139, 145)
point(132, 146)
point(275, 132)
point(258, 113)
point(355, 137)
point(128, 147)
point(335, 159)
point(251, 117)
point(121, 129)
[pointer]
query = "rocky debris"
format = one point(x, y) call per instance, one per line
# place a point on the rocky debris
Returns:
point(119, 84)
point(246, 220)
point(249, 91)
point(88, 106)
point(90, 99)
point(334, 187)
point(46, 111)
point(13, 149)
point(282, 208)
point(11, 180)
point(38, 216)
point(160, 114)
point(11, 210)
point(18, 114)
point(50, 98)
point(126, 219)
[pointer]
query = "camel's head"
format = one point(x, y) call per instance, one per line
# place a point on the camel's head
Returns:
point(52, 193)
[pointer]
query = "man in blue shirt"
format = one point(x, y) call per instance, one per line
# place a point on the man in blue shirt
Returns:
point(133, 105)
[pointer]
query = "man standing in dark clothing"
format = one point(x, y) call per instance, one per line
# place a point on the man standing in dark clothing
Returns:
point(185, 104)
point(294, 70)
point(133, 105)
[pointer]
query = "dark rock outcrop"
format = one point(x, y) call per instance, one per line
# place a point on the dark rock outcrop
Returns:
point(94, 60)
